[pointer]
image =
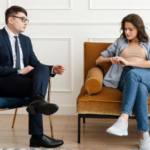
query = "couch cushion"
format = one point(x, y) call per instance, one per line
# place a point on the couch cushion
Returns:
point(94, 81)
point(8, 102)
point(108, 101)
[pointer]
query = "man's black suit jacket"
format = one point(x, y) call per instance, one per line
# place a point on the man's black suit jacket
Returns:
point(6, 59)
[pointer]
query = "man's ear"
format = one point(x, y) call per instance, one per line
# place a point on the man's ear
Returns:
point(10, 20)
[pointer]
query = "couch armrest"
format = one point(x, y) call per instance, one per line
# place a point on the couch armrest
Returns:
point(94, 80)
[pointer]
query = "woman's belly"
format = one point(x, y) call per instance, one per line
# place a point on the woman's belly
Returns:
point(134, 59)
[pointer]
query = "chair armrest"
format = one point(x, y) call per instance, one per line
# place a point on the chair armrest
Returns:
point(94, 80)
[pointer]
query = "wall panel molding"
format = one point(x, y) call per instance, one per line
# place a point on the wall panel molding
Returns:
point(91, 7)
point(70, 58)
point(69, 7)
point(75, 23)
point(102, 39)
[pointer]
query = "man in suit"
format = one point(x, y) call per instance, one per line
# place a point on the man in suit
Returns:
point(22, 75)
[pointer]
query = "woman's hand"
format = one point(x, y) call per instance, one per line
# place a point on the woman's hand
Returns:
point(114, 60)
point(119, 60)
point(122, 61)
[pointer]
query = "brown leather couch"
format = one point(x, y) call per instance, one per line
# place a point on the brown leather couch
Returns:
point(96, 100)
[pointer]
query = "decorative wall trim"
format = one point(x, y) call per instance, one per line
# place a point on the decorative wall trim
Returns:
point(91, 7)
point(69, 7)
point(75, 23)
point(102, 39)
point(69, 39)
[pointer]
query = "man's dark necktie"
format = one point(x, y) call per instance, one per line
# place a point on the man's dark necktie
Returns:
point(17, 53)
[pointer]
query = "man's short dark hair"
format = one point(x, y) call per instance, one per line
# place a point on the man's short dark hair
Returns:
point(13, 10)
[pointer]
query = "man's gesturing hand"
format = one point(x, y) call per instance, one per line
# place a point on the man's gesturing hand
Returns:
point(58, 69)
point(27, 70)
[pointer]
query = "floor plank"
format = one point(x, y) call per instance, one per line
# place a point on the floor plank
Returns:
point(93, 133)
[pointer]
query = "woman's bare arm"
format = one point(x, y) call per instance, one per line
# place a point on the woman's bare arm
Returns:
point(102, 59)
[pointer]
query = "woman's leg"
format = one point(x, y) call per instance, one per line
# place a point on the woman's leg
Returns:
point(121, 87)
point(141, 109)
point(130, 89)
point(136, 88)
point(129, 85)
point(133, 80)
point(120, 127)
point(140, 102)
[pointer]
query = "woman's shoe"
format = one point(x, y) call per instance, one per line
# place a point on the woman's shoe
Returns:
point(119, 128)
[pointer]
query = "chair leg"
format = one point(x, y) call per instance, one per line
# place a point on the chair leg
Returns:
point(51, 126)
point(13, 123)
point(48, 99)
point(84, 119)
point(79, 128)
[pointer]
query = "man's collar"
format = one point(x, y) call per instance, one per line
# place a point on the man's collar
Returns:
point(9, 32)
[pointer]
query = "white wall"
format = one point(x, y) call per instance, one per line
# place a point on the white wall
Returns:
point(58, 29)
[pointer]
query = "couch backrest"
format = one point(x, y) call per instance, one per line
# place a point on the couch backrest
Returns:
point(91, 53)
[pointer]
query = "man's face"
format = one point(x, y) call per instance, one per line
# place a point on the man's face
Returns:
point(18, 22)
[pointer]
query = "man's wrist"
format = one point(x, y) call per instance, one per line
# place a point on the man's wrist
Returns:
point(20, 71)
point(52, 71)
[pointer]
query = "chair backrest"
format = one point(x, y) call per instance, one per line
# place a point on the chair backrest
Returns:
point(91, 53)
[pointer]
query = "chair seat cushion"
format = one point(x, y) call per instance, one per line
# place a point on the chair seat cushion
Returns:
point(8, 102)
point(107, 102)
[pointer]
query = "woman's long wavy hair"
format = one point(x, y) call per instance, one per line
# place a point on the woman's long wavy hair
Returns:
point(137, 21)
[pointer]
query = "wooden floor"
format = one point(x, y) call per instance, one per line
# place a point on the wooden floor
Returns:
point(93, 135)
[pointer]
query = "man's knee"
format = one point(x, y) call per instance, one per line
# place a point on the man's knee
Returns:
point(42, 67)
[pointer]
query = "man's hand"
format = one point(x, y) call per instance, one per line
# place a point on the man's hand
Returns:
point(27, 69)
point(58, 69)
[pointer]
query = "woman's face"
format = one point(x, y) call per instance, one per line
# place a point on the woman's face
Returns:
point(130, 31)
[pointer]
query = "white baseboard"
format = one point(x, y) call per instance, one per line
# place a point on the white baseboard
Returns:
point(63, 110)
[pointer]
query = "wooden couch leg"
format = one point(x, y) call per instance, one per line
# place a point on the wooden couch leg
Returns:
point(79, 128)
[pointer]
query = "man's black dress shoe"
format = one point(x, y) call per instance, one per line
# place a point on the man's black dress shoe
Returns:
point(45, 141)
point(39, 105)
